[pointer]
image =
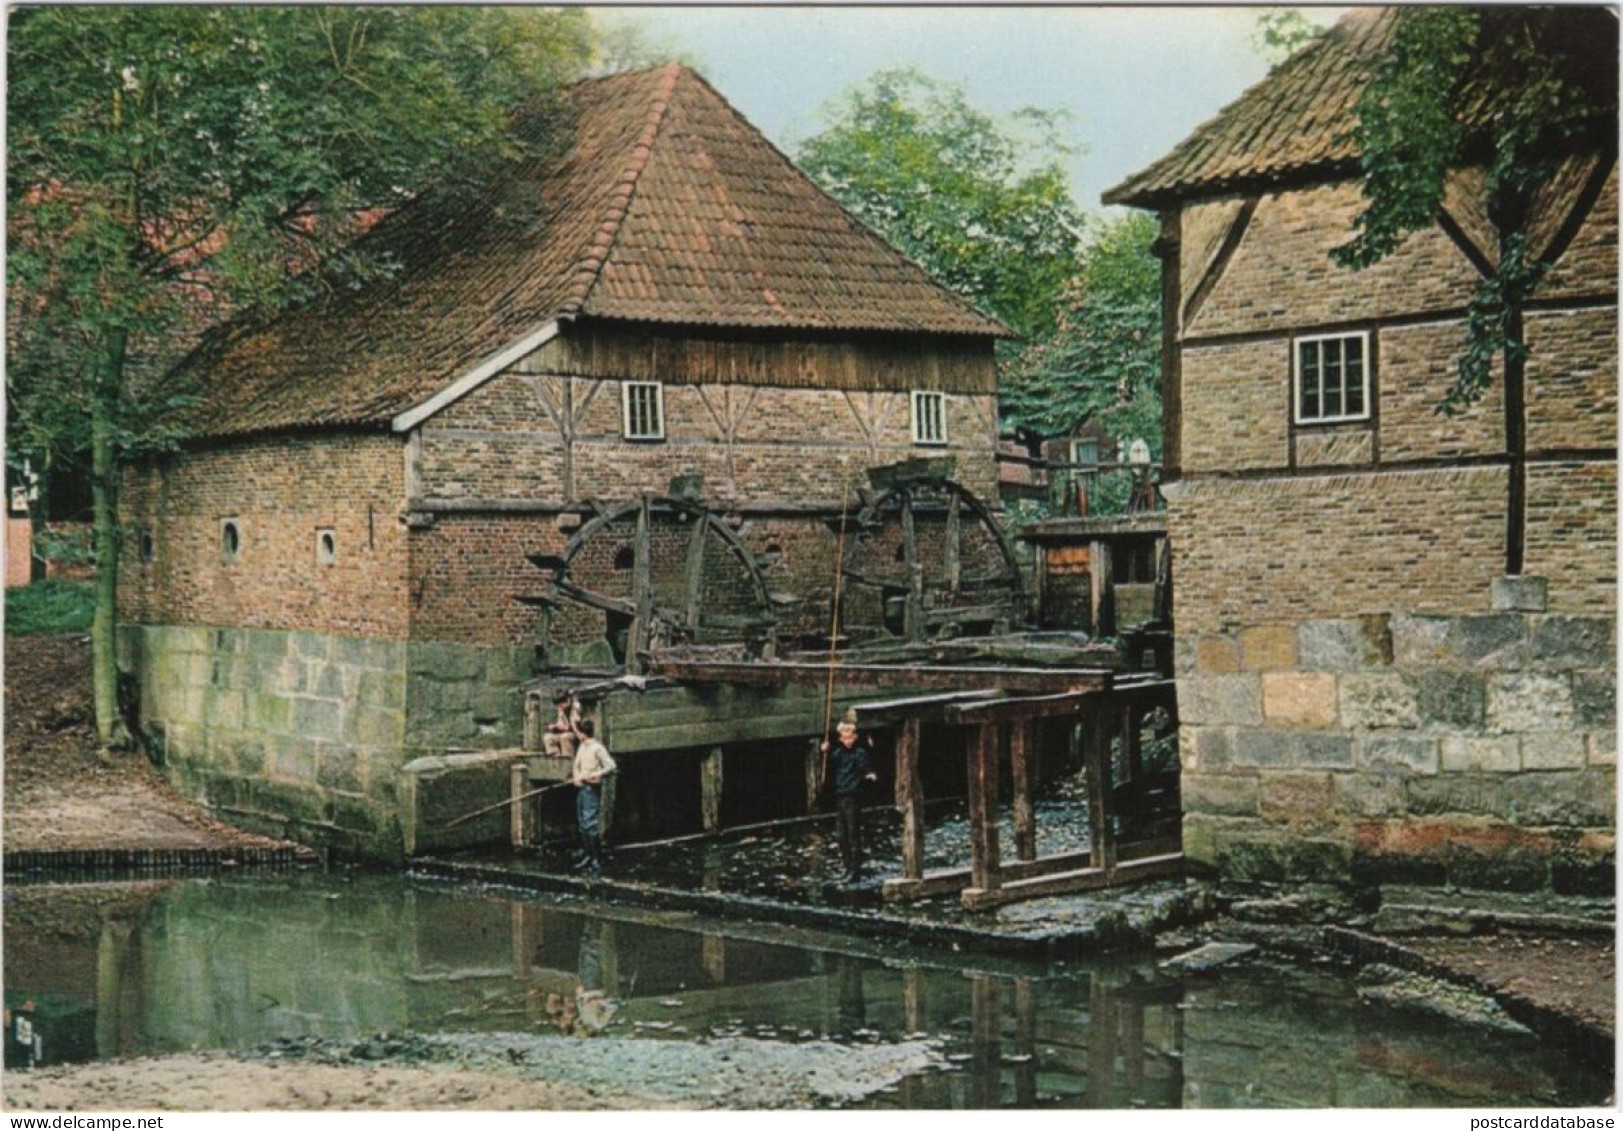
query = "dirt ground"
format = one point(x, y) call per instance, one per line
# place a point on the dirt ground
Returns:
point(216, 1082)
point(1574, 975)
point(61, 794)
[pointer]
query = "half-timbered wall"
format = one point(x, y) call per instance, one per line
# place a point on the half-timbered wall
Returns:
point(1363, 692)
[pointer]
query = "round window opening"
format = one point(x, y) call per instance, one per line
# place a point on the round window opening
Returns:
point(624, 558)
point(147, 548)
point(230, 540)
point(327, 547)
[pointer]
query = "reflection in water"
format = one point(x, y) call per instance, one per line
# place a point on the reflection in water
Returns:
point(144, 969)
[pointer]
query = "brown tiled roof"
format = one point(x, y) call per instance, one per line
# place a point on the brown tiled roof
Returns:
point(1300, 118)
point(661, 205)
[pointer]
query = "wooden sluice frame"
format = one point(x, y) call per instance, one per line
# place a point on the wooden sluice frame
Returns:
point(988, 881)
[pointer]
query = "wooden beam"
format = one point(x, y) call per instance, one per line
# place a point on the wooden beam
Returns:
point(1025, 812)
point(954, 550)
point(947, 881)
point(595, 600)
point(1068, 883)
point(710, 784)
point(910, 799)
point(983, 846)
point(932, 707)
point(1034, 681)
point(1009, 708)
point(1102, 591)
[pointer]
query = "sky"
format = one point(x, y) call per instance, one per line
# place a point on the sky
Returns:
point(1136, 80)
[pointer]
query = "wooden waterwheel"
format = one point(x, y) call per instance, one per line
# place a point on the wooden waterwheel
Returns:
point(663, 570)
point(929, 560)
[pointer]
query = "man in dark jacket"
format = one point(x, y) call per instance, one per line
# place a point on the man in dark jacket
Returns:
point(852, 764)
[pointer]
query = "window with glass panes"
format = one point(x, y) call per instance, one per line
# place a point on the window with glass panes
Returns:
point(929, 418)
point(644, 410)
point(1332, 378)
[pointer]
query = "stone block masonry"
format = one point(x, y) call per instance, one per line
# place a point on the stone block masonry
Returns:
point(1476, 751)
point(305, 734)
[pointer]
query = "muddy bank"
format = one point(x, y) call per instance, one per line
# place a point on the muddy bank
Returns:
point(63, 795)
point(483, 1072)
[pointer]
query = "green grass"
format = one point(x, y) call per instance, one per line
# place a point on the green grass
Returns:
point(49, 606)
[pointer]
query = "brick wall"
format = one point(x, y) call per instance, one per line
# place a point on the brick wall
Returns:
point(1290, 549)
point(1281, 275)
point(280, 492)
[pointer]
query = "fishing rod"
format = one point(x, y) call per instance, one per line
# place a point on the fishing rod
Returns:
point(506, 802)
point(833, 635)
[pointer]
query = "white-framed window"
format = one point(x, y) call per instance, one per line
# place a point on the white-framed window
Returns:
point(230, 539)
point(1331, 378)
point(326, 546)
point(642, 406)
point(929, 417)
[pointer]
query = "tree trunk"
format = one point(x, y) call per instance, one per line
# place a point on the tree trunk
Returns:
point(104, 470)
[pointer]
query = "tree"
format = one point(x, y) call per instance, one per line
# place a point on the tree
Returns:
point(171, 165)
point(1281, 32)
point(982, 204)
point(1103, 360)
point(1514, 89)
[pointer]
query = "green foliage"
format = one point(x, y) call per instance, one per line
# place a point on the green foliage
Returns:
point(982, 204)
point(49, 606)
point(1281, 32)
point(1461, 85)
point(170, 165)
point(64, 545)
point(1102, 361)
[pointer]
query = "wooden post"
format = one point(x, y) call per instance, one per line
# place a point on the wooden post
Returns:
point(910, 799)
point(1096, 753)
point(695, 570)
point(913, 610)
point(983, 847)
point(518, 780)
point(1161, 612)
point(642, 593)
point(713, 956)
point(606, 820)
point(1025, 812)
point(1102, 575)
point(814, 770)
point(710, 770)
point(1132, 754)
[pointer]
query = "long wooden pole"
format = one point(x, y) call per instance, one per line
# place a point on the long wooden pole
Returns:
point(506, 802)
point(833, 635)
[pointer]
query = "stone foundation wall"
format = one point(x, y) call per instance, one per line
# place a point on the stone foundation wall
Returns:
point(1474, 751)
point(304, 734)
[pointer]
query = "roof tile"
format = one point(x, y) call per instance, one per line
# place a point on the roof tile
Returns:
point(662, 205)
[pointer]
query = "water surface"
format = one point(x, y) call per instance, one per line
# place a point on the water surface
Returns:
point(114, 971)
